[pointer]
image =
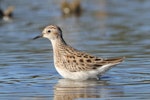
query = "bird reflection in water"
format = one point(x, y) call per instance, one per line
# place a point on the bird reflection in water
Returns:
point(70, 90)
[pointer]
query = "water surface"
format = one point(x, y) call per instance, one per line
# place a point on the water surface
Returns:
point(105, 28)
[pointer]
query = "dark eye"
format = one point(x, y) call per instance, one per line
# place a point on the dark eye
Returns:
point(49, 31)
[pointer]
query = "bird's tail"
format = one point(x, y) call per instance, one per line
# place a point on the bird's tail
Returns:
point(114, 60)
point(109, 63)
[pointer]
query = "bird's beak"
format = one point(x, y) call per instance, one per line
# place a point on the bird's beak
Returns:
point(39, 36)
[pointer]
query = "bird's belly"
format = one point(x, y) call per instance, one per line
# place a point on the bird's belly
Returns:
point(81, 75)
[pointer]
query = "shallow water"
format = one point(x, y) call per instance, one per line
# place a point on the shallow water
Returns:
point(106, 28)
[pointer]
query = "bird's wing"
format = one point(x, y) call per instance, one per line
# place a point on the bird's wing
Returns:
point(84, 62)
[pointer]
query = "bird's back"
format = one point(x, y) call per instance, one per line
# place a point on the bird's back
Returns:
point(75, 60)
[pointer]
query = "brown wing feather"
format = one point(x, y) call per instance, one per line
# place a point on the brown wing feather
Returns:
point(81, 61)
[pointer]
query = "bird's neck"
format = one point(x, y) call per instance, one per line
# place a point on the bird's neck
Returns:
point(58, 49)
point(58, 44)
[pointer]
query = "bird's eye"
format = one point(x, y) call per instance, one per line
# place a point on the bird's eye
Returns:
point(49, 31)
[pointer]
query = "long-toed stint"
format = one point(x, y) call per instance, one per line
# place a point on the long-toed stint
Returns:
point(72, 63)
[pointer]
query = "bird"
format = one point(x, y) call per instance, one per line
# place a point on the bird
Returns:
point(72, 63)
point(65, 8)
point(71, 8)
point(7, 14)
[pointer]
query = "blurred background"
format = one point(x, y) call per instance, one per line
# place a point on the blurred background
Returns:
point(105, 28)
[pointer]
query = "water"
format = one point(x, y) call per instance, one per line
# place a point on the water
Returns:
point(107, 28)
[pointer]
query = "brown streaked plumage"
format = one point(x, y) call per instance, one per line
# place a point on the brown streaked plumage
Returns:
point(72, 63)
